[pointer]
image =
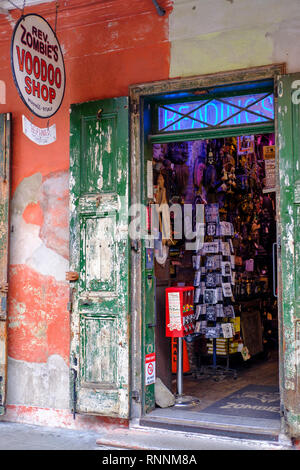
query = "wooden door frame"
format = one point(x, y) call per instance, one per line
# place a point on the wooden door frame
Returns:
point(5, 188)
point(137, 94)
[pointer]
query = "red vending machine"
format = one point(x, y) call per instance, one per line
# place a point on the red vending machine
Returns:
point(180, 320)
point(180, 323)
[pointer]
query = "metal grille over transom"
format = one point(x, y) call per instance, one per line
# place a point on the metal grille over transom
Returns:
point(218, 112)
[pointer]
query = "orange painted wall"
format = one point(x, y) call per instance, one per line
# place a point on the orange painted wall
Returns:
point(107, 45)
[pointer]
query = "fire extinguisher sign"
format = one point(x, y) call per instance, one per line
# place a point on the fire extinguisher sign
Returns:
point(38, 65)
point(150, 369)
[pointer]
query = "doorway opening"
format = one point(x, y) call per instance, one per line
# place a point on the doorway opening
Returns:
point(225, 254)
point(217, 109)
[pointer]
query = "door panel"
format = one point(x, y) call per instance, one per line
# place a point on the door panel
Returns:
point(289, 175)
point(99, 343)
point(99, 253)
point(98, 162)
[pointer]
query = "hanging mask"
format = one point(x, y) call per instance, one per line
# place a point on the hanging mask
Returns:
point(210, 158)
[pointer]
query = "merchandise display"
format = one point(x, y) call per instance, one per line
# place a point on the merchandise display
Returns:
point(230, 264)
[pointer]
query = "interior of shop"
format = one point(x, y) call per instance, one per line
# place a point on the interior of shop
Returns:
point(230, 325)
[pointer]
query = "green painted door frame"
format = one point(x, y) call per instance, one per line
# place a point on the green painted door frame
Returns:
point(289, 246)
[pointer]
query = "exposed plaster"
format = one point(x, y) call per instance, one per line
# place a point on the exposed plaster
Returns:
point(39, 384)
point(43, 249)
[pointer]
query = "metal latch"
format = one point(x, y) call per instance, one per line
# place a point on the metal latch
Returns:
point(135, 395)
point(135, 245)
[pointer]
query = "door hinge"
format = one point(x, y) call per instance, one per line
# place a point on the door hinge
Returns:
point(136, 395)
point(134, 107)
point(279, 242)
point(135, 246)
point(70, 303)
point(282, 409)
point(73, 392)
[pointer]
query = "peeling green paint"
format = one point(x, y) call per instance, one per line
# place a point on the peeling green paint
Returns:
point(99, 181)
point(289, 155)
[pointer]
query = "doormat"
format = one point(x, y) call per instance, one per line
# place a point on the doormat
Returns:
point(252, 401)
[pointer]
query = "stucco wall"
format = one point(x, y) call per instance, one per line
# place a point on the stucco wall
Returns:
point(215, 35)
point(107, 47)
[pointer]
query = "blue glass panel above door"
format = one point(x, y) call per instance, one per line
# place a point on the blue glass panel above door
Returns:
point(217, 112)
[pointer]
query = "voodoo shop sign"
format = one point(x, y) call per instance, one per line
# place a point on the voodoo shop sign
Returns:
point(38, 65)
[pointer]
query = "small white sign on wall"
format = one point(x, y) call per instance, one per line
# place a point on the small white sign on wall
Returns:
point(37, 135)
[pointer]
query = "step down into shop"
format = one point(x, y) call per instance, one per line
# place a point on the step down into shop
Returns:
point(218, 425)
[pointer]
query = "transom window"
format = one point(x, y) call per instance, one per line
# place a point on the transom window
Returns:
point(215, 112)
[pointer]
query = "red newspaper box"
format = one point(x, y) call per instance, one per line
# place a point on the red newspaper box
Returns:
point(180, 320)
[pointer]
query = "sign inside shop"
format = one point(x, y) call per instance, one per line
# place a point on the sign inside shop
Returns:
point(218, 112)
point(38, 65)
point(270, 168)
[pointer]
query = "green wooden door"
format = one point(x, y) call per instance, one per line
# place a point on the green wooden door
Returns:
point(4, 248)
point(289, 230)
point(99, 193)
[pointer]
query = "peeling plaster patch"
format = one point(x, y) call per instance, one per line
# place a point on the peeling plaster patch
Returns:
point(45, 248)
point(24, 240)
point(34, 384)
point(55, 205)
point(27, 248)
point(48, 263)
point(28, 191)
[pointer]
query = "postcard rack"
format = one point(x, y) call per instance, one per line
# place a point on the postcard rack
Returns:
point(214, 265)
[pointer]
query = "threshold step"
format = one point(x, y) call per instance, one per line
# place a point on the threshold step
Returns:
point(152, 438)
point(238, 427)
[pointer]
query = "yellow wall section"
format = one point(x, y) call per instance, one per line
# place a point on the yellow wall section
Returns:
point(217, 52)
point(210, 36)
